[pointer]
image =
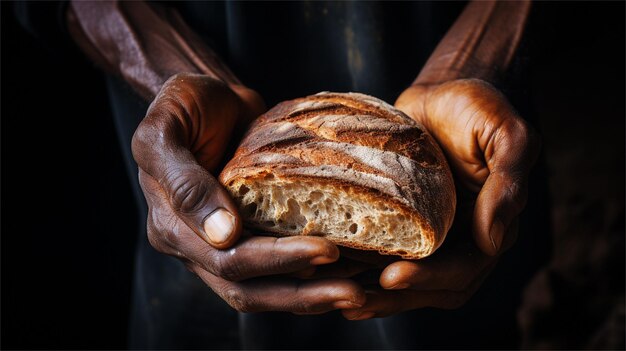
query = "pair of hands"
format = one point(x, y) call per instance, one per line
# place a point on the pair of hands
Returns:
point(181, 142)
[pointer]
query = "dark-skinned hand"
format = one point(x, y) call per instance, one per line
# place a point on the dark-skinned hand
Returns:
point(491, 151)
point(178, 146)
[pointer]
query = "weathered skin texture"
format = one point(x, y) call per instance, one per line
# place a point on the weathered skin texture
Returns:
point(198, 105)
point(490, 150)
point(146, 44)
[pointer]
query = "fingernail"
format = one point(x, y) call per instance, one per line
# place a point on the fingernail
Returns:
point(219, 225)
point(399, 286)
point(362, 316)
point(496, 233)
point(321, 260)
point(345, 304)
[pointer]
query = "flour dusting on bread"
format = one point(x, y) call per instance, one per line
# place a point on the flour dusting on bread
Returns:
point(348, 167)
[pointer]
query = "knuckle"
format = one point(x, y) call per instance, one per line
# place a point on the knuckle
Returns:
point(179, 76)
point(516, 190)
point(519, 133)
point(275, 259)
point(522, 128)
point(140, 135)
point(177, 80)
point(140, 140)
point(226, 268)
point(306, 308)
point(164, 230)
point(237, 299)
point(187, 190)
point(517, 193)
point(514, 129)
point(171, 237)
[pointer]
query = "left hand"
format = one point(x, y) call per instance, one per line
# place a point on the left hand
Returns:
point(491, 151)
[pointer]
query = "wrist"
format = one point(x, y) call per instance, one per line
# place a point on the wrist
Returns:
point(481, 43)
point(113, 35)
point(143, 43)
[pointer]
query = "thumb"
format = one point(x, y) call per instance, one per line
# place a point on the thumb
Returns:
point(161, 146)
point(499, 202)
point(503, 196)
point(202, 203)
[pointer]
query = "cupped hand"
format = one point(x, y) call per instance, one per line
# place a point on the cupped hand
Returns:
point(181, 141)
point(491, 151)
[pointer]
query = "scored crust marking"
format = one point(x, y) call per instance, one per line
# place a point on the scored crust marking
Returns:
point(353, 139)
point(363, 130)
point(339, 123)
point(405, 180)
point(389, 129)
point(367, 103)
point(347, 103)
point(292, 165)
point(271, 136)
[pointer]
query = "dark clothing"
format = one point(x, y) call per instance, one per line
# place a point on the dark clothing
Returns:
point(293, 49)
point(284, 51)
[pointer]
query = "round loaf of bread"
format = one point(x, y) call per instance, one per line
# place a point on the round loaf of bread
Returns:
point(348, 167)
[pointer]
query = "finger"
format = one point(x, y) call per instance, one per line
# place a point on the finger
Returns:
point(178, 140)
point(453, 269)
point(253, 256)
point(285, 294)
point(411, 102)
point(222, 225)
point(383, 303)
point(261, 256)
point(512, 151)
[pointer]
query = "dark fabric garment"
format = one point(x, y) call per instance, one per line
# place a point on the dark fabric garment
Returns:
point(287, 50)
point(291, 49)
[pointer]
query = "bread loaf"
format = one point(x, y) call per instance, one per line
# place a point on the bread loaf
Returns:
point(348, 167)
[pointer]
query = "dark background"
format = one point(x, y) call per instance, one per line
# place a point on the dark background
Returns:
point(68, 216)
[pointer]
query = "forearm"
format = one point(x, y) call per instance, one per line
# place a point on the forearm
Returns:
point(144, 44)
point(481, 43)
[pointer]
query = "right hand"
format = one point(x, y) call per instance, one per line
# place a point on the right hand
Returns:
point(182, 138)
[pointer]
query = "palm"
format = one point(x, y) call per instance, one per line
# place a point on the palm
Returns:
point(463, 117)
point(490, 150)
point(211, 113)
point(489, 147)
